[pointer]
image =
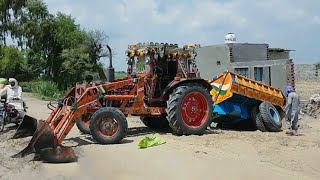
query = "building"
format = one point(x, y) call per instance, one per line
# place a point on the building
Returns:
point(271, 66)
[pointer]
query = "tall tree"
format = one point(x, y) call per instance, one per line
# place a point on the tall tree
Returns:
point(53, 45)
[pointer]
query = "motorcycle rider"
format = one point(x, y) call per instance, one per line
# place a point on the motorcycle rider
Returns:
point(14, 96)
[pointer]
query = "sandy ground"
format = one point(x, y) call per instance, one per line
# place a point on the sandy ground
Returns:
point(216, 155)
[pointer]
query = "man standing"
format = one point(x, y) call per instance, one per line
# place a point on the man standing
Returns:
point(292, 110)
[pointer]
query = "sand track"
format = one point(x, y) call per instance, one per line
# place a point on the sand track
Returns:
point(215, 155)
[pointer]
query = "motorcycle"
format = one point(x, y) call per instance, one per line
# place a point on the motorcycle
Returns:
point(8, 113)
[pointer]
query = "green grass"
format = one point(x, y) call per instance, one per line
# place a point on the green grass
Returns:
point(120, 75)
point(44, 89)
point(49, 90)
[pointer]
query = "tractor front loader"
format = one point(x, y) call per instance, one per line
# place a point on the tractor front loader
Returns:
point(162, 86)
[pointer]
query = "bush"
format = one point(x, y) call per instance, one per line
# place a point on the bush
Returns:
point(120, 75)
point(3, 81)
point(46, 89)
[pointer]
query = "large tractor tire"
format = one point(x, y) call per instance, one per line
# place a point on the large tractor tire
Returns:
point(108, 125)
point(83, 123)
point(157, 123)
point(270, 116)
point(189, 109)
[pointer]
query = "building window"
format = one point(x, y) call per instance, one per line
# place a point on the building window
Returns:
point(242, 71)
point(258, 73)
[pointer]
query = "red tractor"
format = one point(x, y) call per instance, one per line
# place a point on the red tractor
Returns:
point(163, 87)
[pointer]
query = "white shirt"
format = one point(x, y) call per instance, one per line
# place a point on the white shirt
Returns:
point(12, 92)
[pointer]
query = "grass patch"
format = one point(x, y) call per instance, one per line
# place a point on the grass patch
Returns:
point(46, 90)
point(120, 75)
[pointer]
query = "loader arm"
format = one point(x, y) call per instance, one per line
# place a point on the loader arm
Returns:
point(63, 118)
point(52, 132)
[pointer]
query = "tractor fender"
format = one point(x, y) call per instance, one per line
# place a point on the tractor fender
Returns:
point(175, 83)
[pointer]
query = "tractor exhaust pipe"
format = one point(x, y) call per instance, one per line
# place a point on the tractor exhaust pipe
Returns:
point(111, 73)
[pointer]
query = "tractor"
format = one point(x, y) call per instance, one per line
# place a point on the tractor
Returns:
point(163, 86)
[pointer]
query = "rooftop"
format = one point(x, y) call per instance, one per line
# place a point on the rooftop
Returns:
point(279, 50)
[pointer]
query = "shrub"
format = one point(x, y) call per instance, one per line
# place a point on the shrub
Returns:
point(120, 75)
point(46, 89)
point(3, 81)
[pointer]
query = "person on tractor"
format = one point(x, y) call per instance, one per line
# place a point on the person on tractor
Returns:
point(14, 96)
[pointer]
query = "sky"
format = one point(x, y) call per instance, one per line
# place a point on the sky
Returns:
point(289, 24)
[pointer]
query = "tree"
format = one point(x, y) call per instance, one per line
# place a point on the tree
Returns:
point(52, 45)
point(86, 58)
point(13, 64)
point(97, 50)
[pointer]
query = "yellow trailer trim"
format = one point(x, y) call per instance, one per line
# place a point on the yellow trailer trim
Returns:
point(228, 83)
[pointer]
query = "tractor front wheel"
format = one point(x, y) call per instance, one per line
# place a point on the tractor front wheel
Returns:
point(189, 109)
point(83, 123)
point(108, 125)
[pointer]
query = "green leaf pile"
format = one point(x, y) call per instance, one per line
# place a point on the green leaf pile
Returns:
point(148, 141)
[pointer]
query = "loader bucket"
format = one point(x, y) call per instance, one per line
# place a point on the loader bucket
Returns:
point(42, 138)
point(60, 154)
point(27, 127)
point(43, 143)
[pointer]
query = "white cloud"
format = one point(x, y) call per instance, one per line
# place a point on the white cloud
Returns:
point(278, 22)
point(316, 20)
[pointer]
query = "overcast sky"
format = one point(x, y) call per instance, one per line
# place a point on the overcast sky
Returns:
point(291, 24)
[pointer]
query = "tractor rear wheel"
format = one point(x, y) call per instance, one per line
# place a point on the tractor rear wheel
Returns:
point(189, 109)
point(83, 123)
point(270, 116)
point(157, 123)
point(108, 125)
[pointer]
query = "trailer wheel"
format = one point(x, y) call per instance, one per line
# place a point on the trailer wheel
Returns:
point(189, 109)
point(83, 123)
point(157, 123)
point(108, 125)
point(260, 124)
point(257, 119)
point(270, 116)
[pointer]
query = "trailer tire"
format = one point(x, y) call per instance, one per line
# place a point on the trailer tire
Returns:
point(270, 116)
point(260, 124)
point(157, 123)
point(257, 119)
point(99, 125)
point(182, 101)
point(83, 123)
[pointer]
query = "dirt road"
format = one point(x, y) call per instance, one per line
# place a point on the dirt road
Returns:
point(215, 155)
